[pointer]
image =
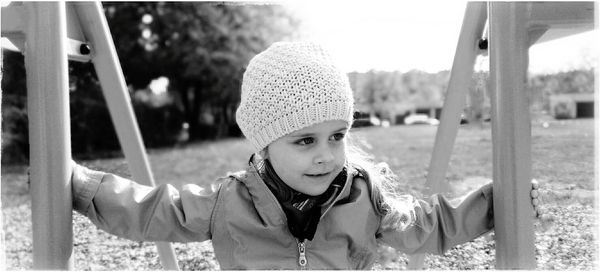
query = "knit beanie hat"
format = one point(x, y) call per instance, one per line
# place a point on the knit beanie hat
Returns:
point(290, 86)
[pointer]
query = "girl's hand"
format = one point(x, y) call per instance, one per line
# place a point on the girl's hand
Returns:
point(535, 200)
point(545, 221)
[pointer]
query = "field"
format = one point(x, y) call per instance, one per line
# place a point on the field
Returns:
point(563, 163)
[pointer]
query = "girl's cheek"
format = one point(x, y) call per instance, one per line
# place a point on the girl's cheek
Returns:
point(342, 153)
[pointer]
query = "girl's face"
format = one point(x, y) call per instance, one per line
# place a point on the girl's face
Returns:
point(310, 158)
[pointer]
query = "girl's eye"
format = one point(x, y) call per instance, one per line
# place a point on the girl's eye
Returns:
point(338, 136)
point(305, 141)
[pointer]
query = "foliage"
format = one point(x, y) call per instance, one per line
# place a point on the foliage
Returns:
point(15, 136)
point(478, 98)
point(155, 121)
point(541, 87)
point(201, 47)
point(92, 130)
point(575, 81)
point(91, 126)
point(390, 94)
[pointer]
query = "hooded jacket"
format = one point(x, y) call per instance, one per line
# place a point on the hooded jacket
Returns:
point(249, 229)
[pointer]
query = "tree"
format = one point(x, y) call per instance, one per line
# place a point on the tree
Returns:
point(202, 48)
point(15, 136)
point(542, 86)
point(477, 107)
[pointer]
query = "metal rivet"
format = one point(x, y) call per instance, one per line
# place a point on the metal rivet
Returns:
point(84, 49)
point(483, 44)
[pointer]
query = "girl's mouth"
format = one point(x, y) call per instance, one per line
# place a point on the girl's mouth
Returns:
point(318, 175)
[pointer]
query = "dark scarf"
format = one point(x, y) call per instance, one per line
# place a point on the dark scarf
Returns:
point(303, 211)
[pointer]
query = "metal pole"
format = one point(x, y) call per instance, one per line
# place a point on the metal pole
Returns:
point(108, 69)
point(511, 136)
point(460, 79)
point(2, 247)
point(454, 103)
point(49, 135)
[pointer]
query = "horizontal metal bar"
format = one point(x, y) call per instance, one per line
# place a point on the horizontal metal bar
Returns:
point(79, 51)
point(561, 14)
point(14, 26)
point(13, 17)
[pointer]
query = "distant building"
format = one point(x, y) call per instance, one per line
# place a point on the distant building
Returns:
point(432, 108)
point(572, 105)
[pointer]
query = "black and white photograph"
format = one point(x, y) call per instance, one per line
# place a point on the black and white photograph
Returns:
point(299, 135)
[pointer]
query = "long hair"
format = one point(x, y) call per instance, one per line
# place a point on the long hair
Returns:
point(395, 207)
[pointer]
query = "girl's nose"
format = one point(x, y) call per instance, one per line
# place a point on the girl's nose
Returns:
point(324, 155)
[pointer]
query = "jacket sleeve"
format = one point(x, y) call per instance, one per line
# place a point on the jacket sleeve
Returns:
point(136, 212)
point(440, 224)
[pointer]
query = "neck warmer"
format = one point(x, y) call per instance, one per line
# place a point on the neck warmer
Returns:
point(302, 211)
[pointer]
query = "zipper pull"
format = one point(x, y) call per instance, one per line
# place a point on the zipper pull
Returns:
point(302, 255)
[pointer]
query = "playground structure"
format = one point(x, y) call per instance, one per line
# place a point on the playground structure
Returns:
point(512, 27)
point(49, 33)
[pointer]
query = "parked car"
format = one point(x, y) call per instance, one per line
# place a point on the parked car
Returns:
point(365, 120)
point(415, 119)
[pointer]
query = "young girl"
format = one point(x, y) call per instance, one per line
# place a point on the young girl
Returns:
point(306, 200)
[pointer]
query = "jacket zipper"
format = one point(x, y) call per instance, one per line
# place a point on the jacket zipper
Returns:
point(302, 261)
point(302, 255)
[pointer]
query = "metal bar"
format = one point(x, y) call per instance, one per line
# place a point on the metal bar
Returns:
point(562, 18)
point(13, 27)
point(49, 135)
point(597, 114)
point(572, 14)
point(78, 51)
point(460, 79)
point(108, 69)
point(2, 241)
point(511, 136)
point(12, 19)
point(74, 30)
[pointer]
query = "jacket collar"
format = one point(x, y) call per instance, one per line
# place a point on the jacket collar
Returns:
point(266, 203)
point(345, 190)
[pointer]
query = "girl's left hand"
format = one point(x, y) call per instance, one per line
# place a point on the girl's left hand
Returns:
point(535, 201)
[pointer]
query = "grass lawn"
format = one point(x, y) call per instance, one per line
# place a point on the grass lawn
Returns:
point(563, 163)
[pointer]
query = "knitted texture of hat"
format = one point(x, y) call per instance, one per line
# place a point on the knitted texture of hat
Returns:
point(290, 86)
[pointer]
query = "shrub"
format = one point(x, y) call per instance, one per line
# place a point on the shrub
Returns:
point(15, 136)
point(159, 126)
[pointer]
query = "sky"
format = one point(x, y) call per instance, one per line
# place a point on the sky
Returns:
point(406, 35)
